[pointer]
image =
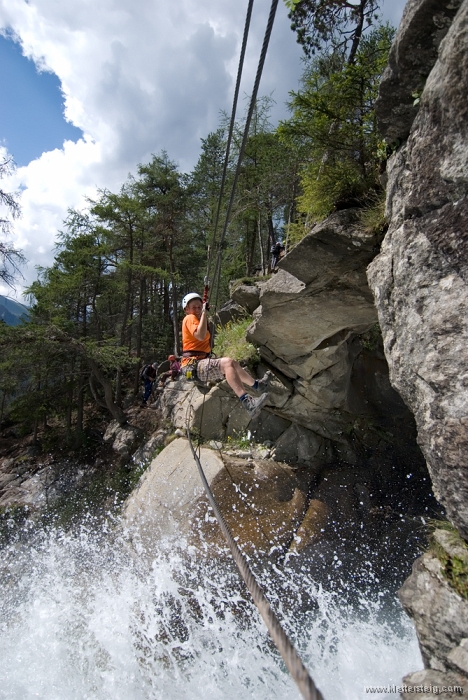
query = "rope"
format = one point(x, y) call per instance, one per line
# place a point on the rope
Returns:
point(253, 100)
point(290, 656)
point(231, 129)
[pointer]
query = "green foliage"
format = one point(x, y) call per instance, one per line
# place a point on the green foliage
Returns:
point(239, 440)
point(333, 122)
point(454, 558)
point(327, 184)
point(230, 341)
point(11, 259)
point(331, 23)
point(266, 192)
point(372, 339)
point(290, 4)
point(372, 215)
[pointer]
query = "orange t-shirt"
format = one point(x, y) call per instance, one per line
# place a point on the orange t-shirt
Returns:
point(189, 342)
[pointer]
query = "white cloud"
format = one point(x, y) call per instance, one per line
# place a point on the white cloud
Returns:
point(137, 77)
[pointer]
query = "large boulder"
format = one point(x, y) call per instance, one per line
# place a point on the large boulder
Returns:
point(230, 312)
point(314, 327)
point(262, 501)
point(216, 415)
point(420, 278)
point(337, 250)
point(167, 494)
point(247, 295)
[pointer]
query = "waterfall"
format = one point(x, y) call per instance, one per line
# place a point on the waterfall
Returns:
point(85, 617)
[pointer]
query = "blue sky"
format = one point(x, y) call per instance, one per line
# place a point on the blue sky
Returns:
point(31, 110)
point(87, 95)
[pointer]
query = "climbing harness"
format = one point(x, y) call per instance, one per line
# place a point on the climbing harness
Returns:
point(189, 370)
point(290, 656)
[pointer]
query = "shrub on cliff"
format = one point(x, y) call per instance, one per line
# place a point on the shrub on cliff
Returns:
point(230, 342)
point(333, 125)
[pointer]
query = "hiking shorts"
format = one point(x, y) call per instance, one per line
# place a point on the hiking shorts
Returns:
point(209, 370)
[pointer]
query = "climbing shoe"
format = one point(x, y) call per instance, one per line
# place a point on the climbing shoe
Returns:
point(263, 383)
point(254, 406)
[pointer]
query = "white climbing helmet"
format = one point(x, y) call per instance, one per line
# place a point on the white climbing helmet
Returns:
point(189, 297)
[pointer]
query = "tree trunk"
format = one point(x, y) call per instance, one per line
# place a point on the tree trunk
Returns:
point(2, 407)
point(175, 319)
point(136, 385)
point(68, 412)
point(260, 242)
point(111, 406)
point(79, 407)
point(96, 397)
point(357, 33)
point(34, 440)
point(118, 387)
point(128, 295)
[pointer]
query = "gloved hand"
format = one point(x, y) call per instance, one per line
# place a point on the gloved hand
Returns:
point(205, 307)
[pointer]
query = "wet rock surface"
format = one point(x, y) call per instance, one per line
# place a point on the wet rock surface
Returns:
point(338, 523)
point(440, 615)
point(27, 480)
point(430, 683)
point(34, 480)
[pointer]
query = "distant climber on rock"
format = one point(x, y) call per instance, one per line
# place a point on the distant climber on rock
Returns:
point(148, 375)
point(173, 372)
point(277, 252)
point(196, 358)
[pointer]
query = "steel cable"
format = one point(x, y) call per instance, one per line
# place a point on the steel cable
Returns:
point(231, 129)
point(253, 100)
point(290, 656)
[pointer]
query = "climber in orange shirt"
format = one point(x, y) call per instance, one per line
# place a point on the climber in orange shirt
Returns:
point(196, 342)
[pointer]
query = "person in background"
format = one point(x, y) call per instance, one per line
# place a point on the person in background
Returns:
point(196, 342)
point(173, 372)
point(148, 376)
point(277, 252)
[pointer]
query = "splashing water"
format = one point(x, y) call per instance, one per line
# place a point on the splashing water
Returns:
point(84, 618)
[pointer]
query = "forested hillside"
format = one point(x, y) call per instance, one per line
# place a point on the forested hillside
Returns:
point(111, 301)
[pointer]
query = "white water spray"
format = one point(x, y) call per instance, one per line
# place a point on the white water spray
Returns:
point(82, 618)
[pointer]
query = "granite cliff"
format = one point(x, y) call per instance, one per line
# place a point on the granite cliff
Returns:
point(419, 281)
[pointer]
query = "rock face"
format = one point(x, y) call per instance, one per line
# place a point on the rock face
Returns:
point(168, 492)
point(439, 613)
point(246, 295)
point(419, 282)
point(411, 59)
point(420, 279)
point(315, 327)
point(262, 501)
